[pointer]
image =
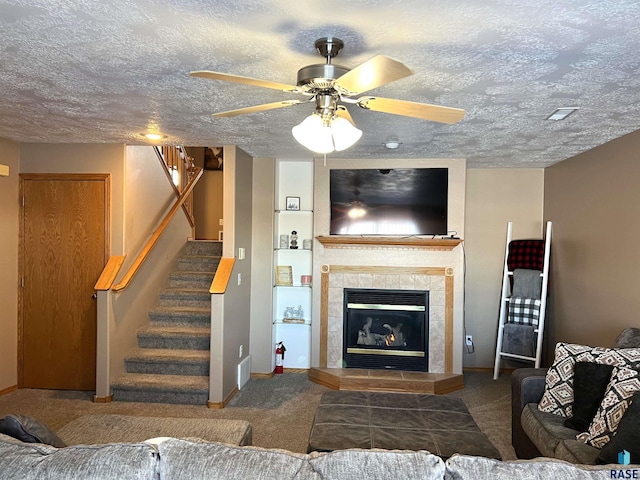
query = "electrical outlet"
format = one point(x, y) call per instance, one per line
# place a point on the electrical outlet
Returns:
point(240, 351)
point(239, 279)
point(468, 339)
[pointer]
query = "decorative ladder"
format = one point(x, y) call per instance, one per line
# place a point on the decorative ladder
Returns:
point(511, 264)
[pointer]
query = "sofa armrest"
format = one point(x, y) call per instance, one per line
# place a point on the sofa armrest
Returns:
point(527, 386)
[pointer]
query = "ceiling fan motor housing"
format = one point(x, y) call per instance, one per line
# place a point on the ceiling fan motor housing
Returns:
point(320, 77)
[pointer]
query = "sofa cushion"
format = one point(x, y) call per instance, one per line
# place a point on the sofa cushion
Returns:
point(34, 461)
point(624, 383)
point(373, 464)
point(627, 436)
point(589, 384)
point(461, 467)
point(628, 338)
point(575, 451)
point(558, 392)
point(30, 430)
point(190, 460)
point(545, 430)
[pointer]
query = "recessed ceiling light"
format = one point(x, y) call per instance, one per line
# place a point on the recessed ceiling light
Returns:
point(391, 143)
point(154, 137)
point(562, 113)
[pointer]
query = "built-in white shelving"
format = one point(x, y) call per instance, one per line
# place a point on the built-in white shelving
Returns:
point(292, 282)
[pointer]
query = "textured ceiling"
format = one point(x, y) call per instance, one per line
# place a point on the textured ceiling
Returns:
point(86, 71)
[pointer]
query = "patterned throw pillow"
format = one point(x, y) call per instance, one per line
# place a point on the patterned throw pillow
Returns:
point(558, 389)
point(624, 383)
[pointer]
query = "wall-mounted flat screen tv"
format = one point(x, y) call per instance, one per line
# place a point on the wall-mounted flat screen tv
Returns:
point(398, 201)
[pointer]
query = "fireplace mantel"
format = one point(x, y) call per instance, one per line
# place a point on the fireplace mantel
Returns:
point(346, 241)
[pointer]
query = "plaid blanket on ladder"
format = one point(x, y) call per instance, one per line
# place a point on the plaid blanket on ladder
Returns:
point(524, 311)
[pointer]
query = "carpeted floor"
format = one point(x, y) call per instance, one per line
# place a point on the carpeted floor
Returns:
point(280, 409)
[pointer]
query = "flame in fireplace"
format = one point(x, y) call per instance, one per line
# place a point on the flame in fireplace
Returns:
point(390, 339)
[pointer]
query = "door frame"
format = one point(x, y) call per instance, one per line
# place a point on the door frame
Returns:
point(106, 179)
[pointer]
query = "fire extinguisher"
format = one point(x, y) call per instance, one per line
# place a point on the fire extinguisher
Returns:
point(279, 356)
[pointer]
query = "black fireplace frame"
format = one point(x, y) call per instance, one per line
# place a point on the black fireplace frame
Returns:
point(358, 301)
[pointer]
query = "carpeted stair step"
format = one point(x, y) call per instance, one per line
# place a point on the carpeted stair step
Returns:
point(203, 247)
point(186, 297)
point(198, 263)
point(171, 363)
point(181, 337)
point(186, 279)
point(168, 361)
point(177, 389)
point(168, 315)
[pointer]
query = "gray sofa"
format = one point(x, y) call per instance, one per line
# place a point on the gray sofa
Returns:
point(184, 459)
point(539, 434)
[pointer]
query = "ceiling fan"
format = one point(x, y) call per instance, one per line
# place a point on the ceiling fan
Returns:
point(331, 127)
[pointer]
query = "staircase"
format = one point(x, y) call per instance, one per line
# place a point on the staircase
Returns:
point(171, 363)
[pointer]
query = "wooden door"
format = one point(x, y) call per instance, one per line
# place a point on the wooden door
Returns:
point(64, 247)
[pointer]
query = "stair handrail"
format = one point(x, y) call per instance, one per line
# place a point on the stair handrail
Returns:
point(109, 273)
point(186, 166)
point(144, 253)
point(222, 276)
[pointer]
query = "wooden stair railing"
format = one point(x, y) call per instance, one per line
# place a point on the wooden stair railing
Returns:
point(222, 276)
point(144, 253)
point(179, 168)
point(109, 274)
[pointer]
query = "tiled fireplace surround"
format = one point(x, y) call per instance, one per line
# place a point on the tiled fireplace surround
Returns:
point(437, 280)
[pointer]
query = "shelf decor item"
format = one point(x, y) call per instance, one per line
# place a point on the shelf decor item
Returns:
point(284, 241)
point(293, 203)
point(284, 275)
point(307, 243)
point(293, 315)
point(294, 240)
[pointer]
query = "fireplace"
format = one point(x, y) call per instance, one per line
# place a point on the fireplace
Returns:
point(386, 329)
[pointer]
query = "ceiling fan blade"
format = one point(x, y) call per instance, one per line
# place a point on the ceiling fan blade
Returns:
point(227, 77)
point(373, 73)
point(424, 111)
point(344, 113)
point(257, 108)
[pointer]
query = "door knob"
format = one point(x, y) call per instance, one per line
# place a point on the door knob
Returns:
point(94, 296)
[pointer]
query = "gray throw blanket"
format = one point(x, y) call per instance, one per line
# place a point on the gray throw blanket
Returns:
point(527, 283)
point(518, 339)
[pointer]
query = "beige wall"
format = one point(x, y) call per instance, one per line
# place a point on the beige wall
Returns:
point(230, 322)
point(494, 197)
point(9, 213)
point(207, 199)
point(592, 200)
point(262, 344)
point(208, 205)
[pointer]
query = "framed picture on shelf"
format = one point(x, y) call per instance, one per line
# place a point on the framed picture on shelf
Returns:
point(284, 275)
point(293, 203)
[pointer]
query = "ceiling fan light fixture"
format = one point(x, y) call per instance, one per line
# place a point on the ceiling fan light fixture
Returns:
point(313, 133)
point(344, 133)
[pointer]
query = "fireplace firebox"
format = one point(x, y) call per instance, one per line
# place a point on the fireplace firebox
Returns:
point(386, 329)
